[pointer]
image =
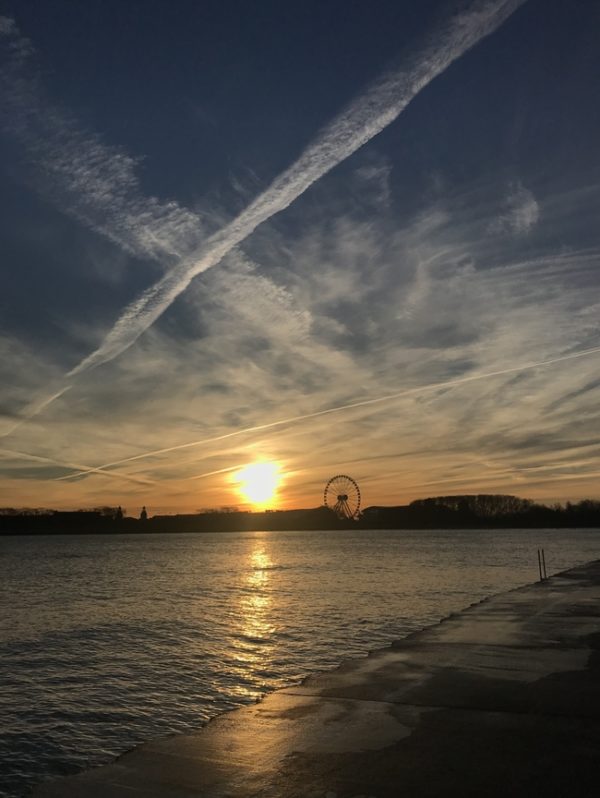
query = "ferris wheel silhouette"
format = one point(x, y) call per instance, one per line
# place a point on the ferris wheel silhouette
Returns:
point(342, 495)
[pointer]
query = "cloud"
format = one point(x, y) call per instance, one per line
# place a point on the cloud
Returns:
point(351, 334)
point(374, 181)
point(326, 317)
point(359, 123)
point(22, 370)
point(13, 454)
point(521, 212)
point(86, 178)
point(7, 26)
point(97, 183)
point(325, 324)
point(361, 403)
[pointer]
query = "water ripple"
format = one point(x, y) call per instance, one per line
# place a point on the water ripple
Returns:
point(110, 641)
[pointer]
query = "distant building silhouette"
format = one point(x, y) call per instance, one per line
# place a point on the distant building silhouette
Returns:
point(143, 515)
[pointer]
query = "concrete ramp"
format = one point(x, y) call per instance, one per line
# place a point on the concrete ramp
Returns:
point(502, 699)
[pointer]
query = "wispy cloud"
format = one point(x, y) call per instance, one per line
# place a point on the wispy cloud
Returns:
point(365, 118)
point(520, 214)
point(327, 318)
point(81, 174)
point(435, 386)
point(446, 344)
point(97, 183)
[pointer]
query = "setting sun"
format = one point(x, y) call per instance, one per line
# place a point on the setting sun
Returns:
point(258, 482)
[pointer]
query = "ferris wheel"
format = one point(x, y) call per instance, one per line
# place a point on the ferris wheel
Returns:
point(342, 495)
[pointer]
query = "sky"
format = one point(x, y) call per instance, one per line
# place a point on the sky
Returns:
point(325, 237)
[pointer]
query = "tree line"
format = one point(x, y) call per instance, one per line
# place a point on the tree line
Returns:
point(439, 512)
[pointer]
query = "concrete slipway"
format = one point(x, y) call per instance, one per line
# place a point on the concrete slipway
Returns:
point(502, 699)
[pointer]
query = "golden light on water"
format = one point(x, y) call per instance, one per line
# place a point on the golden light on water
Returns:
point(255, 627)
point(258, 482)
point(257, 602)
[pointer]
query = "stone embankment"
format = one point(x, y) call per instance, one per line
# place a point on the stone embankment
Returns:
point(502, 699)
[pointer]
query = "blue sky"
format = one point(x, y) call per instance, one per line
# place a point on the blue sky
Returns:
point(221, 219)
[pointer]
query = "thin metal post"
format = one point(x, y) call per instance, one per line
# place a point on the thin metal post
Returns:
point(544, 564)
point(540, 564)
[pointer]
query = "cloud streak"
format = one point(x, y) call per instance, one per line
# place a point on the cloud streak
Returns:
point(36, 458)
point(340, 408)
point(86, 178)
point(97, 183)
point(33, 409)
point(359, 123)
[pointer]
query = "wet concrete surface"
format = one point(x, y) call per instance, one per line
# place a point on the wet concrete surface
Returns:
point(502, 699)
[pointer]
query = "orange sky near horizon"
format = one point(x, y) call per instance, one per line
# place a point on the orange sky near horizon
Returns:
point(396, 480)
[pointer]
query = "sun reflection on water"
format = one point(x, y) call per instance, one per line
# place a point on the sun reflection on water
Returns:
point(256, 629)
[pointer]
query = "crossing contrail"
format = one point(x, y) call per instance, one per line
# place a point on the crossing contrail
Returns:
point(363, 119)
point(367, 116)
point(340, 408)
point(36, 458)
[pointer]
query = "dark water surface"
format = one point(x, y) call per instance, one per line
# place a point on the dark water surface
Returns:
point(108, 641)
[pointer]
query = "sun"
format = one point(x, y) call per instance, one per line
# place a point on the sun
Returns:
point(258, 482)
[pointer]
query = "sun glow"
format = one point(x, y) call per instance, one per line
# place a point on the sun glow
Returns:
point(258, 482)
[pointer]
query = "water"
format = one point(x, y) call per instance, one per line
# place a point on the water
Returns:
point(108, 641)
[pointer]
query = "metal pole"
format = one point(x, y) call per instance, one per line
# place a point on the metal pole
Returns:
point(544, 564)
point(540, 565)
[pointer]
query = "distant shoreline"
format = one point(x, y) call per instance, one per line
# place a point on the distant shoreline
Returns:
point(480, 511)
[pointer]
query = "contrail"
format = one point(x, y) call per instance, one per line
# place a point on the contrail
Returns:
point(363, 119)
point(83, 469)
point(340, 408)
point(33, 409)
point(218, 471)
point(359, 123)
